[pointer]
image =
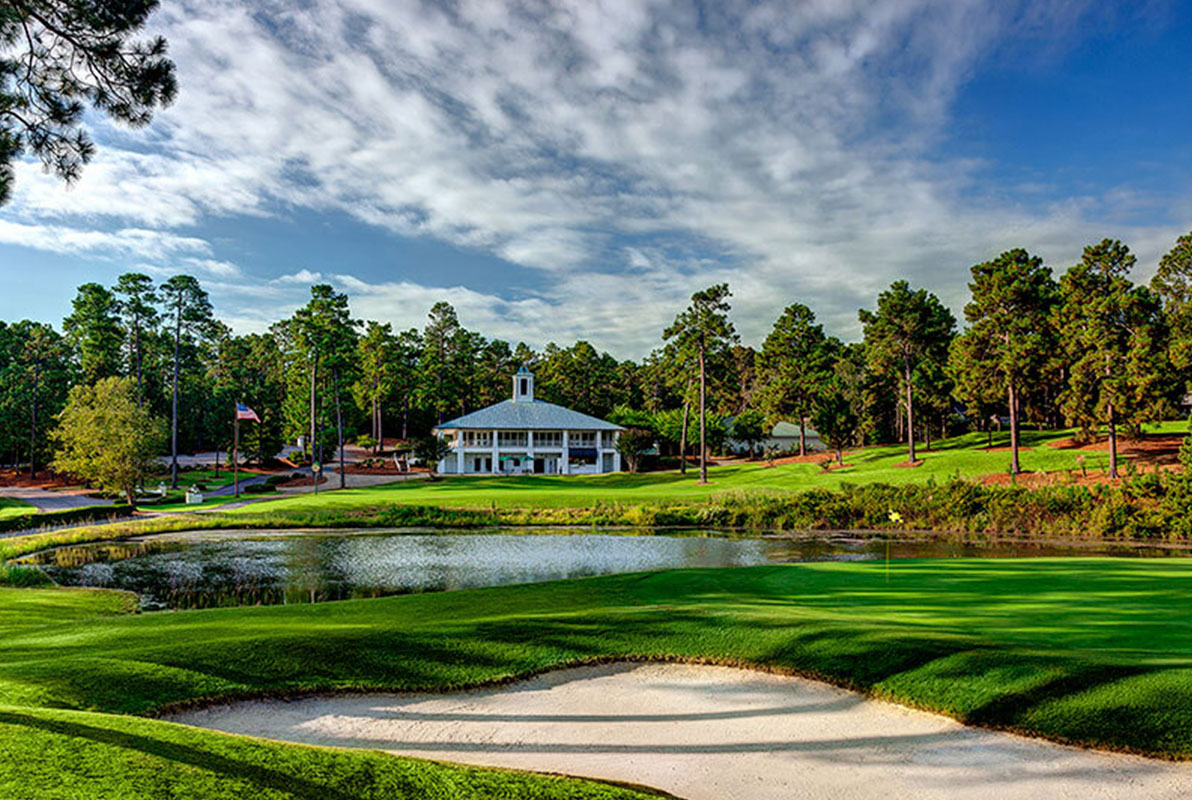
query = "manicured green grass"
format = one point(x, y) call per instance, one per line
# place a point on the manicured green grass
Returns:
point(75, 755)
point(964, 456)
point(12, 507)
point(1097, 651)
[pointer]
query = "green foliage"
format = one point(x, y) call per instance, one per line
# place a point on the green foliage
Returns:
point(701, 331)
point(56, 58)
point(430, 450)
point(106, 439)
point(796, 361)
point(1114, 337)
point(909, 332)
point(632, 444)
point(1173, 285)
point(35, 376)
point(835, 420)
point(251, 370)
point(93, 331)
point(581, 378)
point(750, 429)
point(1010, 337)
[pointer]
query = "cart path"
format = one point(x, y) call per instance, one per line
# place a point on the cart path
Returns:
point(706, 733)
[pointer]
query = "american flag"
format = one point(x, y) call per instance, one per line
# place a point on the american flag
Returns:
point(244, 412)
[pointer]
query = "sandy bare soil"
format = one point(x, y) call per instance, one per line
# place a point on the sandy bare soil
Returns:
point(707, 733)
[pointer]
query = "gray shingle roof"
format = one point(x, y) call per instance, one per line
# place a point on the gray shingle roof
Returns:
point(528, 416)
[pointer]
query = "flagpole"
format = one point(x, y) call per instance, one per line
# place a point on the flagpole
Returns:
point(236, 452)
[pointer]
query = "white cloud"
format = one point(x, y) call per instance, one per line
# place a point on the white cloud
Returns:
point(75, 241)
point(785, 148)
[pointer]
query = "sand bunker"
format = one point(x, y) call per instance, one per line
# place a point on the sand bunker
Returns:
point(706, 733)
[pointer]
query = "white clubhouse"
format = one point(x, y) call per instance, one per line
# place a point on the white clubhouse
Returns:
point(526, 436)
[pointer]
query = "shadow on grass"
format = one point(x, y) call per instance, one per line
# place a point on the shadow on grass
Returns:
point(171, 751)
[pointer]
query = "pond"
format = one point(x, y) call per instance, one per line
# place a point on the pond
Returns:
point(228, 568)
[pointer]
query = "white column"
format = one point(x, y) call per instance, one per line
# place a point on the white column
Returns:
point(566, 465)
point(459, 452)
point(496, 454)
point(530, 448)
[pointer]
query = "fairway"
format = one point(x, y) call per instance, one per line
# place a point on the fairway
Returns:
point(962, 456)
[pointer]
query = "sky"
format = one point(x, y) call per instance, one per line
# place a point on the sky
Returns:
point(560, 171)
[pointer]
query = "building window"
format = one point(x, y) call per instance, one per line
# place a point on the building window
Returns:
point(513, 438)
point(525, 386)
point(582, 439)
point(477, 439)
point(548, 439)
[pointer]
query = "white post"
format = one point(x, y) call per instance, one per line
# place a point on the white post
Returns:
point(530, 448)
point(459, 452)
point(566, 462)
point(496, 466)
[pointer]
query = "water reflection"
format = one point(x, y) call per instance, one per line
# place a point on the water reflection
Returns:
point(228, 568)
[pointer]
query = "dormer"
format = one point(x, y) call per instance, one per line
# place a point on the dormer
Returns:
point(523, 385)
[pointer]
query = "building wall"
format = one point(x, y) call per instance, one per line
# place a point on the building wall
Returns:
point(518, 456)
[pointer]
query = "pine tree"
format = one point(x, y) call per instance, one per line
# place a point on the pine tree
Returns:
point(190, 318)
point(136, 303)
point(56, 58)
point(796, 361)
point(908, 329)
point(93, 331)
point(1010, 334)
point(1114, 339)
point(703, 330)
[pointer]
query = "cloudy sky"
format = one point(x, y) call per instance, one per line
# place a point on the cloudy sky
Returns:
point(576, 170)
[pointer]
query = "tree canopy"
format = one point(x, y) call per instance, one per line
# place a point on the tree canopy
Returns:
point(59, 57)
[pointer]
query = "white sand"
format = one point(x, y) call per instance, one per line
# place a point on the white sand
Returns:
point(707, 733)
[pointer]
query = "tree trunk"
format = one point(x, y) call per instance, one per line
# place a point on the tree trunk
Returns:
point(910, 416)
point(839, 456)
point(405, 418)
point(683, 438)
point(314, 372)
point(380, 429)
point(339, 427)
point(802, 435)
point(33, 420)
point(174, 404)
point(1113, 469)
point(703, 442)
point(1013, 399)
point(136, 343)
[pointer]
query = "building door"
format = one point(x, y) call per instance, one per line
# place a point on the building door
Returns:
point(539, 466)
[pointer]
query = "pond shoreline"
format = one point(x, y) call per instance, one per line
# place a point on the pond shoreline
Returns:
point(208, 568)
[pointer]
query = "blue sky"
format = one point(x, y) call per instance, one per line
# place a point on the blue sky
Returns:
point(562, 171)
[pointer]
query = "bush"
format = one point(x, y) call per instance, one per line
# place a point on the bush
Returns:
point(23, 577)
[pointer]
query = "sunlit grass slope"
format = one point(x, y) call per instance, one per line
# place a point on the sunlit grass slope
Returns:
point(963, 456)
point(12, 507)
point(1097, 651)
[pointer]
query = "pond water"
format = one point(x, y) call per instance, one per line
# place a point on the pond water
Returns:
point(227, 568)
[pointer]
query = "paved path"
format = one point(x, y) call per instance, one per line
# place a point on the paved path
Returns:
point(708, 733)
point(45, 500)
